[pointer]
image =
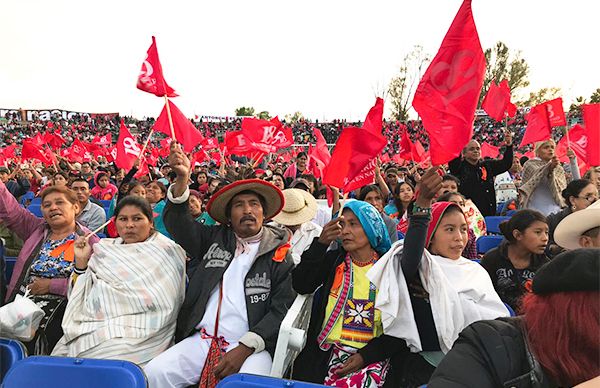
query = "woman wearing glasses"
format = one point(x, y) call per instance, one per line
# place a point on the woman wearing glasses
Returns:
point(578, 195)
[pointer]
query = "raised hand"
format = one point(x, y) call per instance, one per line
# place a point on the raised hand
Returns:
point(83, 252)
point(429, 185)
point(331, 231)
point(179, 162)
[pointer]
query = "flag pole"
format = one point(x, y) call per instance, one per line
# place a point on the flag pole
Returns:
point(146, 143)
point(170, 118)
point(344, 198)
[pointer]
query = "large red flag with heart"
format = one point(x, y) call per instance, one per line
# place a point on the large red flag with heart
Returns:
point(447, 95)
point(591, 118)
point(128, 149)
point(151, 77)
point(185, 132)
point(78, 152)
point(353, 160)
point(538, 126)
point(497, 101)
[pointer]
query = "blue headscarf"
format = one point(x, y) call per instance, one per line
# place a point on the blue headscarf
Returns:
point(372, 224)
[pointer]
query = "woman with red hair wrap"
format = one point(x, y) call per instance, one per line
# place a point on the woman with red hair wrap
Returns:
point(556, 343)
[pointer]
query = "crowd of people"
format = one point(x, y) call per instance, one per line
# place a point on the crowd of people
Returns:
point(189, 270)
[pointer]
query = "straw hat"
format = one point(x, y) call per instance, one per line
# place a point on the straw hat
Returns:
point(569, 230)
point(300, 207)
point(219, 200)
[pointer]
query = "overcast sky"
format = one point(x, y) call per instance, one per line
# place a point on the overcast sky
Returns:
point(324, 58)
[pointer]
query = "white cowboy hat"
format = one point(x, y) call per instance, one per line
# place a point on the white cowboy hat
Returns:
point(569, 230)
point(300, 207)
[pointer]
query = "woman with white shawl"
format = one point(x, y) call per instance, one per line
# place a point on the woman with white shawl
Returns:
point(125, 296)
point(428, 296)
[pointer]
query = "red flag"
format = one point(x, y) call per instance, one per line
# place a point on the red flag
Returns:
point(128, 150)
point(497, 101)
point(31, 150)
point(151, 78)
point(577, 141)
point(77, 152)
point(165, 147)
point(405, 151)
point(373, 124)
point(591, 118)
point(236, 143)
point(54, 140)
point(211, 143)
point(267, 136)
point(111, 155)
point(9, 151)
point(105, 140)
point(185, 132)
point(488, 150)
point(321, 151)
point(385, 158)
point(556, 113)
point(538, 126)
point(143, 170)
point(447, 95)
point(418, 152)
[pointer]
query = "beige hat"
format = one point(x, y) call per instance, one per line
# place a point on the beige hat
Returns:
point(300, 207)
point(219, 200)
point(569, 230)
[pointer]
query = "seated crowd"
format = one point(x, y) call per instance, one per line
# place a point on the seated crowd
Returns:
point(202, 262)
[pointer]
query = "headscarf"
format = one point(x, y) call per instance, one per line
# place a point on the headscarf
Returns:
point(372, 224)
point(438, 209)
point(542, 143)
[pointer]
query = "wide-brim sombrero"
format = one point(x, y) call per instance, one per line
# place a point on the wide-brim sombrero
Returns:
point(300, 207)
point(219, 200)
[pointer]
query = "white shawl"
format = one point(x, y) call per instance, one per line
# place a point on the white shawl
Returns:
point(460, 293)
point(128, 291)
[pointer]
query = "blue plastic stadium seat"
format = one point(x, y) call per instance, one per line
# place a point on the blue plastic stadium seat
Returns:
point(35, 209)
point(485, 243)
point(105, 203)
point(50, 372)
point(36, 201)
point(492, 222)
point(10, 266)
point(11, 351)
point(27, 198)
point(242, 380)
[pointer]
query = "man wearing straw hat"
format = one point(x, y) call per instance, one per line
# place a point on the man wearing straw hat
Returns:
point(580, 229)
point(299, 209)
point(241, 288)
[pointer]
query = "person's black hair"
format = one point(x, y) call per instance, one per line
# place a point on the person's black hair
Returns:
point(397, 201)
point(161, 186)
point(263, 202)
point(133, 185)
point(447, 195)
point(367, 189)
point(574, 188)
point(302, 153)
point(61, 173)
point(450, 177)
point(79, 178)
point(523, 159)
point(520, 221)
point(139, 202)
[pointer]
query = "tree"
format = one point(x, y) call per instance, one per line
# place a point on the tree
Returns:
point(542, 95)
point(294, 118)
point(504, 65)
point(402, 87)
point(595, 97)
point(575, 108)
point(264, 115)
point(244, 111)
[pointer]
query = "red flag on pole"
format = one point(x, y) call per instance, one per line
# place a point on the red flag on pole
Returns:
point(447, 95)
point(237, 143)
point(538, 126)
point(185, 132)
point(556, 113)
point(488, 150)
point(354, 157)
point(319, 155)
point(151, 77)
point(128, 150)
point(577, 141)
point(105, 140)
point(418, 153)
point(497, 101)
point(266, 135)
point(591, 118)
point(31, 150)
point(54, 140)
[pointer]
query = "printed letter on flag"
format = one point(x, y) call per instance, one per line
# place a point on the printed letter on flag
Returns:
point(447, 95)
point(151, 78)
